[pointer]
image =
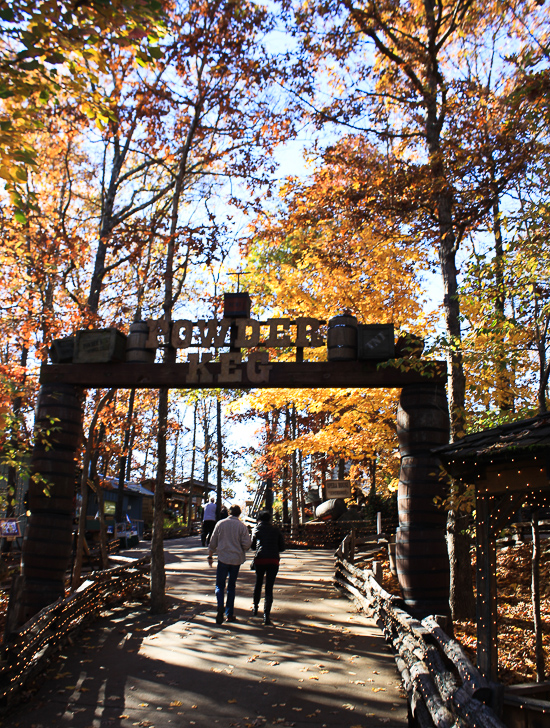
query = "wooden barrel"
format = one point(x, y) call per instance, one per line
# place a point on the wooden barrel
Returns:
point(422, 418)
point(330, 510)
point(420, 482)
point(135, 344)
point(48, 545)
point(48, 537)
point(37, 595)
point(422, 565)
point(58, 417)
point(342, 338)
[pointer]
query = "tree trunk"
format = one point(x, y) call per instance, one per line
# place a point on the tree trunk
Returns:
point(12, 469)
point(123, 459)
point(87, 466)
point(504, 388)
point(158, 575)
point(193, 458)
point(294, 494)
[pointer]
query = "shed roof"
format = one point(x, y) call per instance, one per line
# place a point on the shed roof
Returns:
point(521, 438)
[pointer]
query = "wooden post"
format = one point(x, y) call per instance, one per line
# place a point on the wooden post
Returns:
point(48, 539)
point(535, 595)
point(486, 578)
point(421, 549)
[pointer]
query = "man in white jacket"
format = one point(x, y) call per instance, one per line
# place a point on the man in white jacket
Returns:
point(231, 540)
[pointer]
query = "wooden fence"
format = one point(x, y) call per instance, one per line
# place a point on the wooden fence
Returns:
point(443, 688)
point(27, 652)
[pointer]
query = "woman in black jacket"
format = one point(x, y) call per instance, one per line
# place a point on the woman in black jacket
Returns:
point(268, 542)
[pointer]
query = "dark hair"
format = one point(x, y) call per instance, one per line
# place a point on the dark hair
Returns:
point(235, 510)
point(264, 516)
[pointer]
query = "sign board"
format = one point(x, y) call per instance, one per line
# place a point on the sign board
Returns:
point(375, 341)
point(338, 489)
point(9, 528)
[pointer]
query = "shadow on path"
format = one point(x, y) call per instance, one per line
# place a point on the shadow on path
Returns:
point(321, 664)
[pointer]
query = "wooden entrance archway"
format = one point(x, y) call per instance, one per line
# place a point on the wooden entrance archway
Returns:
point(422, 424)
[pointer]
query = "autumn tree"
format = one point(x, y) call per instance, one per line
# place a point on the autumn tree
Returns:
point(416, 79)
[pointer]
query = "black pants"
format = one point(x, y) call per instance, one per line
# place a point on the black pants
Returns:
point(206, 531)
point(270, 571)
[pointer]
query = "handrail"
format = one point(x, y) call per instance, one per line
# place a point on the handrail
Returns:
point(443, 688)
point(28, 651)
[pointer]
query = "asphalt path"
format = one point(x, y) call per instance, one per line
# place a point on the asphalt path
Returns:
point(322, 663)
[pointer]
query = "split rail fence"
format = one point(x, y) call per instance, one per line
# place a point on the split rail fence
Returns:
point(444, 689)
point(27, 652)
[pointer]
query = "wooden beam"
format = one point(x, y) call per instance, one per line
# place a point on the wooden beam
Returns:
point(486, 578)
point(247, 375)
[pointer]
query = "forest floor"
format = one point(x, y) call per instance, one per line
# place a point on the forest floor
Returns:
point(516, 641)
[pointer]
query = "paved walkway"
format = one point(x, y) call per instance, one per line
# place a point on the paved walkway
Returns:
point(321, 664)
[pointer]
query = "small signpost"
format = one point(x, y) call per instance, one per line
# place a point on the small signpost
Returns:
point(338, 488)
point(9, 528)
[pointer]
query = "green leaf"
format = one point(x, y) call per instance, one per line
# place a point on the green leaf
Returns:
point(20, 216)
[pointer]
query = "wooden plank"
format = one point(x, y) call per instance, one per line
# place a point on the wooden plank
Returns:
point(511, 477)
point(247, 375)
point(486, 576)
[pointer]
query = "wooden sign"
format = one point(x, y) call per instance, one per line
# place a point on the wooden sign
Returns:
point(9, 528)
point(375, 341)
point(338, 489)
point(240, 333)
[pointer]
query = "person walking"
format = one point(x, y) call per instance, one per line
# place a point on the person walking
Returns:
point(208, 521)
point(231, 540)
point(268, 542)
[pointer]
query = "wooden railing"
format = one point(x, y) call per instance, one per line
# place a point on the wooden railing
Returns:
point(443, 688)
point(28, 651)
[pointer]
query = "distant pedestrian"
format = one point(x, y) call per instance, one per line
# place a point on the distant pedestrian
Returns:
point(231, 541)
point(268, 542)
point(208, 521)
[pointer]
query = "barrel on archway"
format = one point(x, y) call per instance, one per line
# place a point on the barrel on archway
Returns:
point(421, 549)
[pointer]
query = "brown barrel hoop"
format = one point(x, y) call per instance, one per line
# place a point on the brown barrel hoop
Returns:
point(40, 593)
point(342, 338)
point(422, 565)
point(420, 512)
point(422, 418)
point(135, 344)
point(419, 483)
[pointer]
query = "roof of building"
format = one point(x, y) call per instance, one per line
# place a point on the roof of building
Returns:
point(130, 486)
point(520, 438)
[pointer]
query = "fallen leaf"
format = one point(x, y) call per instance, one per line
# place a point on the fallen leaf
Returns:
point(378, 690)
point(123, 716)
point(233, 700)
point(194, 707)
point(176, 704)
point(273, 663)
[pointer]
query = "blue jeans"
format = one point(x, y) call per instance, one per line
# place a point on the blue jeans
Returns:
point(222, 572)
